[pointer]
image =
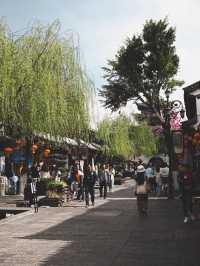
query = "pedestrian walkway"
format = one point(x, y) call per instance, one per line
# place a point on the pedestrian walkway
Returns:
point(129, 183)
point(10, 201)
point(111, 234)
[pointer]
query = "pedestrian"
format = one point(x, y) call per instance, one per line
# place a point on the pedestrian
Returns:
point(79, 179)
point(112, 177)
point(44, 172)
point(109, 181)
point(72, 181)
point(164, 175)
point(185, 178)
point(158, 181)
point(34, 172)
point(151, 177)
point(141, 191)
point(54, 171)
point(30, 192)
point(35, 202)
point(14, 180)
point(34, 194)
point(88, 183)
point(103, 181)
point(26, 195)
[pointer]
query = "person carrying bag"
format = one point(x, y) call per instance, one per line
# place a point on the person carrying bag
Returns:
point(141, 191)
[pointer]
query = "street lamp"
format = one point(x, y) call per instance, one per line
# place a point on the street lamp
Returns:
point(172, 114)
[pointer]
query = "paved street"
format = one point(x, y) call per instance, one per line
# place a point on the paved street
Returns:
point(109, 234)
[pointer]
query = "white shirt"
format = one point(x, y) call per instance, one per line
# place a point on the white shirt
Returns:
point(164, 172)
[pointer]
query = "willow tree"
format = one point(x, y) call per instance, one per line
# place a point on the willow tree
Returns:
point(120, 137)
point(114, 135)
point(43, 87)
point(143, 140)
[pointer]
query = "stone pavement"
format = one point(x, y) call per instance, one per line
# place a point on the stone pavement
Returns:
point(109, 234)
point(9, 201)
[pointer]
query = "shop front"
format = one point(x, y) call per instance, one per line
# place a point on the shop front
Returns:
point(191, 132)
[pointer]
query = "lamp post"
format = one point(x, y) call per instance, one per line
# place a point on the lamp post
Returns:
point(172, 114)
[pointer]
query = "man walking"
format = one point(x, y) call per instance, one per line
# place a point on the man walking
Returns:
point(185, 177)
point(88, 184)
point(103, 181)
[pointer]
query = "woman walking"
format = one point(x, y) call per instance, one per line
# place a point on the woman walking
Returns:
point(164, 175)
point(141, 191)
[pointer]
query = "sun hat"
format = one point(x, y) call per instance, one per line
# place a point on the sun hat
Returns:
point(140, 169)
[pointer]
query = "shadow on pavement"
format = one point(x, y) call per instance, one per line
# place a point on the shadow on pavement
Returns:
point(113, 234)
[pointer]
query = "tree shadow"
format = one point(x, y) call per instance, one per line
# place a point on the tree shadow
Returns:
point(113, 234)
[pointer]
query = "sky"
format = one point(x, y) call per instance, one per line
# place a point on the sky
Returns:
point(102, 26)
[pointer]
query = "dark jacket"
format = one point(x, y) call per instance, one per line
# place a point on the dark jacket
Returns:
point(34, 172)
point(103, 177)
point(186, 181)
point(89, 179)
point(140, 178)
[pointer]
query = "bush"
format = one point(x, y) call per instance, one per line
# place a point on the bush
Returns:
point(55, 186)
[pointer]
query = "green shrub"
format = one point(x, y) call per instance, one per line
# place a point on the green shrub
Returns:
point(55, 185)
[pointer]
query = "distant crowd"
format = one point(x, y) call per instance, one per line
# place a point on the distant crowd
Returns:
point(81, 181)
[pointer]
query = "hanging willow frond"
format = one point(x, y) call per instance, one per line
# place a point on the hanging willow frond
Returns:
point(43, 87)
point(121, 138)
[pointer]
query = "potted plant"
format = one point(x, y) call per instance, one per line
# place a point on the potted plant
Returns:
point(55, 189)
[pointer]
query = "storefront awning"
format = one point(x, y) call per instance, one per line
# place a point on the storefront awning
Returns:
point(57, 139)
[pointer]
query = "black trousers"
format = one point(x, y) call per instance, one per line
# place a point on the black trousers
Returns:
point(142, 203)
point(80, 195)
point(103, 190)
point(89, 191)
point(187, 202)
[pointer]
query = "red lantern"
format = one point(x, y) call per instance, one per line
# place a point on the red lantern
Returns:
point(8, 151)
point(46, 152)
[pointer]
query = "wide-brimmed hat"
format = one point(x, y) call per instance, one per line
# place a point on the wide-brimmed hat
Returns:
point(140, 169)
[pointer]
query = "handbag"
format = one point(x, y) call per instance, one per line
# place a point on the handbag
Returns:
point(141, 189)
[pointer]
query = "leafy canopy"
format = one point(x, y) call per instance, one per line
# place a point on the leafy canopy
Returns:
point(43, 87)
point(120, 137)
point(143, 68)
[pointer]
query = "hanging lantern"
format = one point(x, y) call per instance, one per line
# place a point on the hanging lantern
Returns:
point(8, 151)
point(34, 148)
point(46, 152)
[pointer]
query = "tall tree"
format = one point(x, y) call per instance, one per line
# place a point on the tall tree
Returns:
point(43, 87)
point(120, 137)
point(143, 69)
